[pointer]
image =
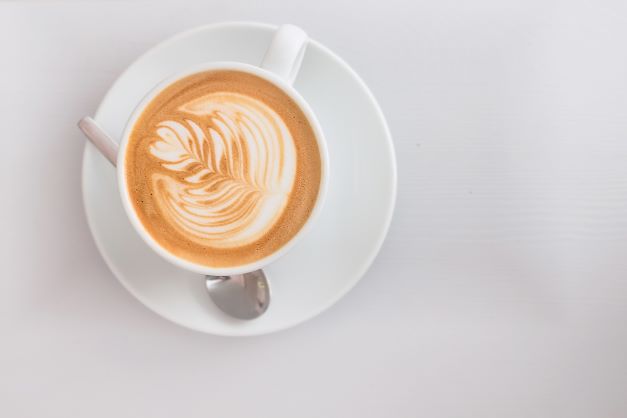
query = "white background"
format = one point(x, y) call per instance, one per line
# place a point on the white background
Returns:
point(501, 290)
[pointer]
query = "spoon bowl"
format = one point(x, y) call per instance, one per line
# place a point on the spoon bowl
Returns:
point(242, 296)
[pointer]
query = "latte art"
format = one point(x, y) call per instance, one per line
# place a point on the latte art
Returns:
point(223, 168)
point(238, 161)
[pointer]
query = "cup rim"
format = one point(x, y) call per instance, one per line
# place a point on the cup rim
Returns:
point(123, 186)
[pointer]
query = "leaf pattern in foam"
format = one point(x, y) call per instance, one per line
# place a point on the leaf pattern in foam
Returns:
point(232, 151)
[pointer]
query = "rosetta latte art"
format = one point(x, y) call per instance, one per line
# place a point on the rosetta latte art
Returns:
point(230, 165)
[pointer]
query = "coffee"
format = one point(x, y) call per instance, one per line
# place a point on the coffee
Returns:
point(222, 168)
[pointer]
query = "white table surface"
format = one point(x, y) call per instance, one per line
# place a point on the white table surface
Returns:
point(501, 290)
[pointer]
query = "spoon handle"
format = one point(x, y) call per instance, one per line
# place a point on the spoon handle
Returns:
point(107, 146)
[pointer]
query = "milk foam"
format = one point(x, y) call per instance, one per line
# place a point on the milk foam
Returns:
point(231, 164)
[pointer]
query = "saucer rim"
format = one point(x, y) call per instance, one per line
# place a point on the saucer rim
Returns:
point(367, 260)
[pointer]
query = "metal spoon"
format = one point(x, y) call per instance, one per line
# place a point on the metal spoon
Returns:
point(243, 296)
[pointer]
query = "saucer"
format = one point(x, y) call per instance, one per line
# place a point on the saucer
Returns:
point(335, 253)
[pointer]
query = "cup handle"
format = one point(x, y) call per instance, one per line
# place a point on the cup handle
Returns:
point(286, 52)
point(105, 144)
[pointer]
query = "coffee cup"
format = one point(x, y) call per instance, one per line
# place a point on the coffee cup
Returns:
point(222, 168)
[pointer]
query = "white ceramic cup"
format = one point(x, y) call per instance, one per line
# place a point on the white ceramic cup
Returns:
point(280, 66)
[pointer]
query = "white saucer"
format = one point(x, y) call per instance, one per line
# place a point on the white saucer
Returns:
point(346, 237)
